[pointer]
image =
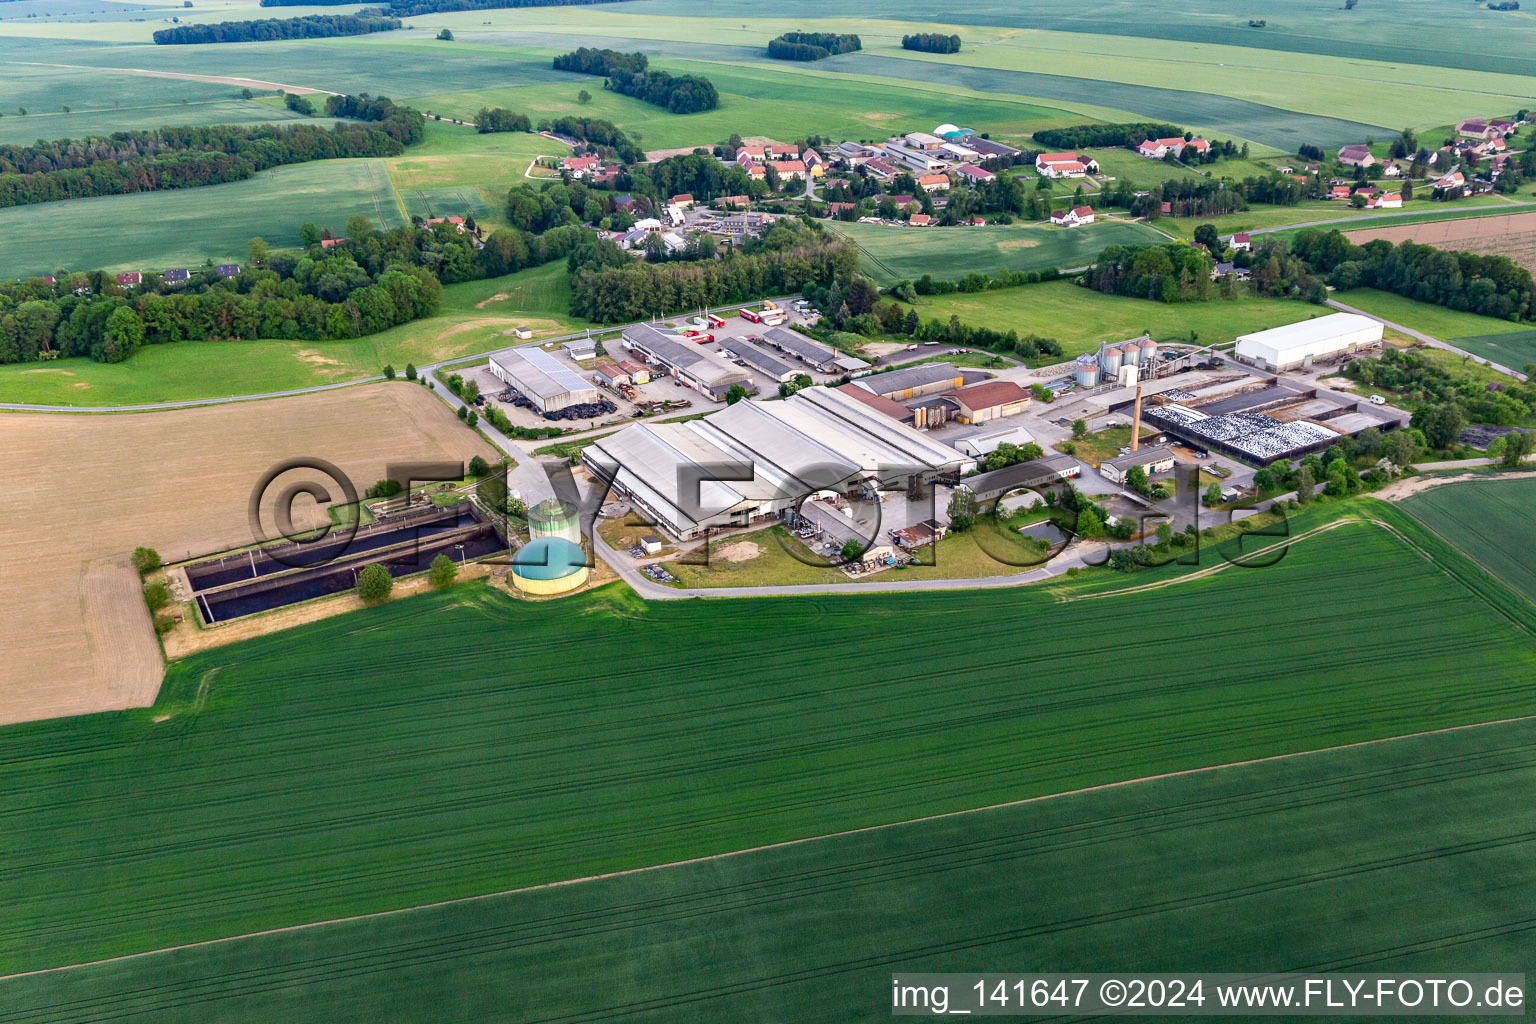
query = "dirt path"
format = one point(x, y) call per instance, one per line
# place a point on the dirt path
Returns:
point(1406, 487)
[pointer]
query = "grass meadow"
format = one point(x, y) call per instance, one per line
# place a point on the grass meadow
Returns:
point(472, 318)
point(464, 743)
point(1381, 857)
point(1489, 521)
point(892, 252)
point(187, 227)
point(1080, 318)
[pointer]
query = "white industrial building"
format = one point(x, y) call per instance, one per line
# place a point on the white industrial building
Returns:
point(988, 442)
point(695, 365)
point(548, 383)
point(1295, 345)
point(751, 461)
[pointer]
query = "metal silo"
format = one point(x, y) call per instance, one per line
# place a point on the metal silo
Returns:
point(1087, 371)
point(1109, 360)
point(1130, 354)
point(1148, 352)
point(554, 518)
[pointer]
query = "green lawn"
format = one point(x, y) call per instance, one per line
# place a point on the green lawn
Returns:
point(1503, 341)
point(893, 252)
point(362, 764)
point(1080, 319)
point(1389, 857)
point(186, 227)
point(1490, 521)
point(539, 297)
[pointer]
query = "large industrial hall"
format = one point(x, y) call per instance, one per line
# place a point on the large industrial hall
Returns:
point(818, 440)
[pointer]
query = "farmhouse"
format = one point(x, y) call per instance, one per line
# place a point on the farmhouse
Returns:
point(920, 220)
point(788, 170)
point(973, 175)
point(1356, 156)
point(933, 182)
point(129, 279)
point(177, 276)
point(545, 381)
point(1473, 128)
point(579, 166)
point(1035, 473)
point(1295, 345)
point(775, 453)
point(694, 365)
point(881, 168)
point(989, 401)
point(1152, 149)
point(1242, 241)
point(1338, 192)
point(1386, 201)
point(1075, 217)
point(1152, 460)
point(1064, 165)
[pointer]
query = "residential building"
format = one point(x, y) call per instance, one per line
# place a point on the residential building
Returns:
point(129, 279)
point(1074, 217)
point(973, 175)
point(579, 166)
point(1473, 128)
point(919, 220)
point(1152, 149)
point(1242, 241)
point(1386, 201)
point(227, 269)
point(933, 182)
point(1063, 165)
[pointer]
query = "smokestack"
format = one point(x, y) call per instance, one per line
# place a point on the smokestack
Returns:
point(1136, 422)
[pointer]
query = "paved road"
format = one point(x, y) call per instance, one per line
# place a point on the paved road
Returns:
point(1336, 221)
point(1432, 342)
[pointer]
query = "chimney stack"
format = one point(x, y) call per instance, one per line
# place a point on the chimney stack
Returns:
point(1136, 422)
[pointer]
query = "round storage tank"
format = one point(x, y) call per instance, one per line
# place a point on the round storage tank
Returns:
point(1148, 351)
point(1087, 372)
point(554, 518)
point(1109, 360)
point(549, 565)
point(1130, 355)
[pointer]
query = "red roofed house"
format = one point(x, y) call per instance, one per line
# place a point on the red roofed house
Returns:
point(329, 243)
point(920, 220)
point(1198, 145)
point(1152, 149)
point(788, 168)
point(616, 375)
point(1453, 180)
point(457, 222)
point(929, 182)
point(782, 151)
point(973, 174)
point(1387, 201)
point(902, 202)
point(685, 200)
point(756, 172)
point(1339, 192)
point(579, 166)
point(638, 373)
point(1076, 216)
point(129, 279)
point(751, 154)
point(881, 168)
point(1062, 165)
point(1242, 241)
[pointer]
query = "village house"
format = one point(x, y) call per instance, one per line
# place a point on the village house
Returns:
point(1152, 149)
point(1242, 241)
point(1356, 156)
point(1386, 201)
point(788, 170)
point(1338, 192)
point(973, 175)
point(1075, 217)
point(931, 182)
point(683, 201)
point(1502, 129)
point(457, 222)
point(920, 220)
point(1063, 165)
point(881, 168)
point(227, 269)
point(579, 166)
point(1473, 128)
point(129, 279)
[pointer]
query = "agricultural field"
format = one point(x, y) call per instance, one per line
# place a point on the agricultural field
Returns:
point(473, 319)
point(456, 169)
point(1503, 341)
point(80, 639)
point(1513, 235)
point(1489, 521)
point(892, 253)
point(1080, 318)
point(570, 763)
point(1370, 858)
point(191, 227)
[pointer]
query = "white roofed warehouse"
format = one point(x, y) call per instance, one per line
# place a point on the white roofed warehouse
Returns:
point(545, 381)
point(752, 460)
point(694, 364)
point(1296, 345)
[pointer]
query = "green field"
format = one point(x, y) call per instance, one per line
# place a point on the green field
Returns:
point(539, 297)
point(361, 764)
point(1080, 318)
point(1489, 521)
point(892, 252)
point(189, 227)
point(1503, 341)
point(1386, 857)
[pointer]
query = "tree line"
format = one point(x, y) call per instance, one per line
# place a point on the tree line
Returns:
point(811, 45)
point(628, 75)
point(931, 42)
point(500, 119)
point(608, 286)
point(596, 132)
point(1083, 136)
point(186, 157)
point(310, 26)
point(1487, 285)
point(1175, 272)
